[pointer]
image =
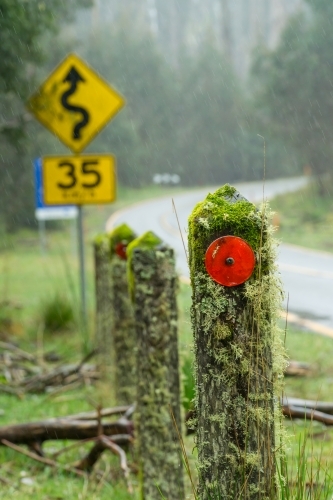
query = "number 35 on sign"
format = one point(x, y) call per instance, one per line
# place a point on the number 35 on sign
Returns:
point(79, 180)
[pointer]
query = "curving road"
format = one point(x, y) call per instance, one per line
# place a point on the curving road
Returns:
point(307, 275)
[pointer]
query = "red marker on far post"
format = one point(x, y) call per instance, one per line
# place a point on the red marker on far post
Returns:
point(120, 250)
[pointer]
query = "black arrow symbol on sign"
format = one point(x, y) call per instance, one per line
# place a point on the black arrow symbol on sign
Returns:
point(74, 78)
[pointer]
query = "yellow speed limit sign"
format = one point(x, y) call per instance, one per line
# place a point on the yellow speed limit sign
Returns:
point(79, 180)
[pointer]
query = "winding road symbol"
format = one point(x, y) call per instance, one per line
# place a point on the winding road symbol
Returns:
point(75, 103)
point(74, 77)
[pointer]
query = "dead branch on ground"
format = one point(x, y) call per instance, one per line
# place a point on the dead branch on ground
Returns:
point(25, 373)
point(84, 428)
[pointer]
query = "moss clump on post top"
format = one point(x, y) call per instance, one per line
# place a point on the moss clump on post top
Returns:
point(152, 274)
point(103, 292)
point(119, 234)
point(239, 358)
point(124, 336)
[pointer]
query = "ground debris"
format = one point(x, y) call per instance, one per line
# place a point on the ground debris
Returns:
point(298, 369)
point(22, 372)
point(87, 427)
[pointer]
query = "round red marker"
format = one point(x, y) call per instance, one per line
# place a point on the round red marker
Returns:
point(230, 260)
point(120, 250)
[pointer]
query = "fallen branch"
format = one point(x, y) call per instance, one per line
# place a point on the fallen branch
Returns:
point(306, 414)
point(24, 372)
point(62, 375)
point(9, 390)
point(122, 439)
point(61, 428)
point(297, 369)
point(291, 408)
point(7, 346)
point(43, 460)
point(5, 481)
point(105, 412)
point(105, 443)
point(323, 406)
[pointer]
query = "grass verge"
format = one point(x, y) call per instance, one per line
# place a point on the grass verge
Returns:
point(305, 218)
point(27, 277)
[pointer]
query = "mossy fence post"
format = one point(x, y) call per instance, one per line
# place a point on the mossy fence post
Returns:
point(238, 355)
point(124, 334)
point(103, 294)
point(153, 284)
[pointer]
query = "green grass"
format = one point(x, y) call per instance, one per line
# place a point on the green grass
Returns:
point(29, 280)
point(27, 277)
point(309, 451)
point(305, 218)
point(57, 313)
point(309, 444)
point(22, 263)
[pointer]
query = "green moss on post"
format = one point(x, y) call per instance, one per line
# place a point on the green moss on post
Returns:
point(154, 282)
point(103, 292)
point(124, 335)
point(239, 359)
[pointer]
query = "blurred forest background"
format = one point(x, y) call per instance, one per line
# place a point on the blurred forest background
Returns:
point(204, 83)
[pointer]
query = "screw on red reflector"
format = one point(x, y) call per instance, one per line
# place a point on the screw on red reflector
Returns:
point(120, 249)
point(230, 260)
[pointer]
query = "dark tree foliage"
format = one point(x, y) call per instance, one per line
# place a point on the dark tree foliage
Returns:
point(22, 22)
point(186, 110)
point(212, 119)
point(322, 7)
point(294, 85)
point(143, 136)
point(192, 120)
point(22, 25)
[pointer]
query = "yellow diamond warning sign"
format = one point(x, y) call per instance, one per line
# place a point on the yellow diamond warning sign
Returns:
point(79, 180)
point(75, 103)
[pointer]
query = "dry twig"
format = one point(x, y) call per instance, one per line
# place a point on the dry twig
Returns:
point(43, 460)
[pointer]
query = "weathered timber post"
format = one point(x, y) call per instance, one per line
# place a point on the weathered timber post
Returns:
point(124, 334)
point(239, 360)
point(153, 284)
point(103, 293)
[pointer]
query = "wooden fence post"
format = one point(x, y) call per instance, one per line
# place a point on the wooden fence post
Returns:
point(153, 283)
point(103, 293)
point(239, 359)
point(124, 334)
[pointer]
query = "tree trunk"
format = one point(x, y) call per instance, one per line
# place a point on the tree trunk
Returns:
point(103, 291)
point(234, 339)
point(124, 338)
point(124, 335)
point(226, 29)
point(154, 284)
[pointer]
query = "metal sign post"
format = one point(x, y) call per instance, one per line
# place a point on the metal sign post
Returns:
point(75, 103)
point(46, 212)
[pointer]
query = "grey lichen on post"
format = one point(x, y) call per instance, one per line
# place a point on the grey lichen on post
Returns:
point(153, 280)
point(103, 294)
point(124, 334)
point(238, 355)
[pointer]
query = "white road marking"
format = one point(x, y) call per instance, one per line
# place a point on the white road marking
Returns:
point(305, 270)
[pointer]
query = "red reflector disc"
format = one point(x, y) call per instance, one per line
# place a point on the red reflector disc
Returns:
point(120, 250)
point(230, 260)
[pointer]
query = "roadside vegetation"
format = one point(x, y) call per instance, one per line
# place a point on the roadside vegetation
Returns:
point(305, 218)
point(35, 287)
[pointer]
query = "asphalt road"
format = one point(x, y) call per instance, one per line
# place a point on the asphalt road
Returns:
point(307, 275)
